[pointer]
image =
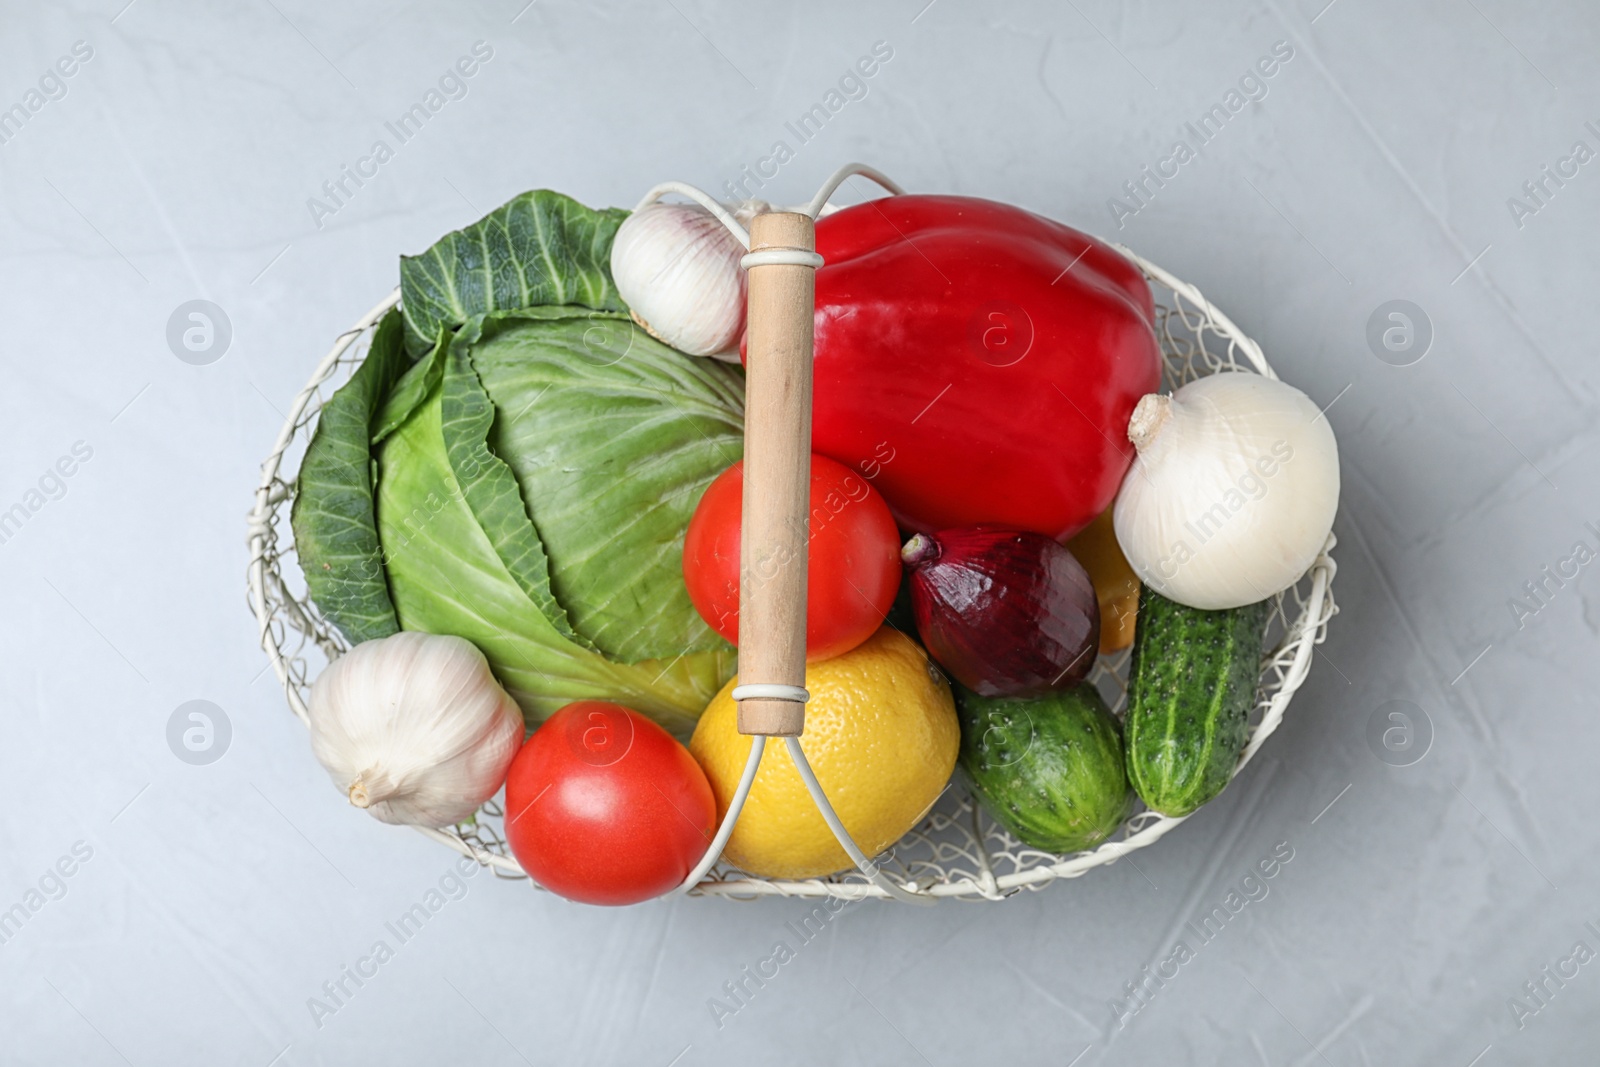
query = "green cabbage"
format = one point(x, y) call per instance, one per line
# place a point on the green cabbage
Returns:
point(527, 482)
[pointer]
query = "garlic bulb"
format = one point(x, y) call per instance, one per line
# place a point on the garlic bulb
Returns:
point(678, 268)
point(1233, 492)
point(414, 728)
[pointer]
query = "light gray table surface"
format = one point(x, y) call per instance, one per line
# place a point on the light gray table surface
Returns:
point(208, 904)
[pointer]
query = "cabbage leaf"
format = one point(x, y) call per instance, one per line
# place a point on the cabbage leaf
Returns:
point(334, 532)
point(612, 437)
point(539, 248)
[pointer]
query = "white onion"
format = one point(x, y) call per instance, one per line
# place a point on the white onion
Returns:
point(1233, 492)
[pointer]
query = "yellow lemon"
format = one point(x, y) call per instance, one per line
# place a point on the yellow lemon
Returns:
point(881, 734)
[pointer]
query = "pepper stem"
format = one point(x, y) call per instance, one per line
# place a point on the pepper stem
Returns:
point(919, 550)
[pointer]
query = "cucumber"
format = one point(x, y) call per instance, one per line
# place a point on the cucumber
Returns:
point(1048, 768)
point(1191, 686)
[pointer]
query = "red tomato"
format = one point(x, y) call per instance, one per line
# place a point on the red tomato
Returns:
point(854, 566)
point(604, 807)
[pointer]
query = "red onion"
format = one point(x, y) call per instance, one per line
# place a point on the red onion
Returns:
point(1006, 612)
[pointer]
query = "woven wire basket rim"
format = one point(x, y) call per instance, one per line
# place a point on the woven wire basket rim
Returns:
point(958, 850)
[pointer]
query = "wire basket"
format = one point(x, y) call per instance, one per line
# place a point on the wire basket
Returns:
point(958, 850)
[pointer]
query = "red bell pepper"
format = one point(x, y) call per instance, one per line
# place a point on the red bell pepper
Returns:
point(980, 362)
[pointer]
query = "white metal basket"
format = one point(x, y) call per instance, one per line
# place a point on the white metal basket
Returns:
point(957, 850)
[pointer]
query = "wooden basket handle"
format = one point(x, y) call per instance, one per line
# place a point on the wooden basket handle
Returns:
point(777, 474)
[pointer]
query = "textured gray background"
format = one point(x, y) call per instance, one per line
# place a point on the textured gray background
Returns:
point(219, 898)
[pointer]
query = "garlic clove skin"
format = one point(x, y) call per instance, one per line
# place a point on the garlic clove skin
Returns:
point(678, 269)
point(1233, 492)
point(414, 728)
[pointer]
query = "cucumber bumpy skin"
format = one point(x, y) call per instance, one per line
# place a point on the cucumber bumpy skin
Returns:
point(1048, 768)
point(1192, 683)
